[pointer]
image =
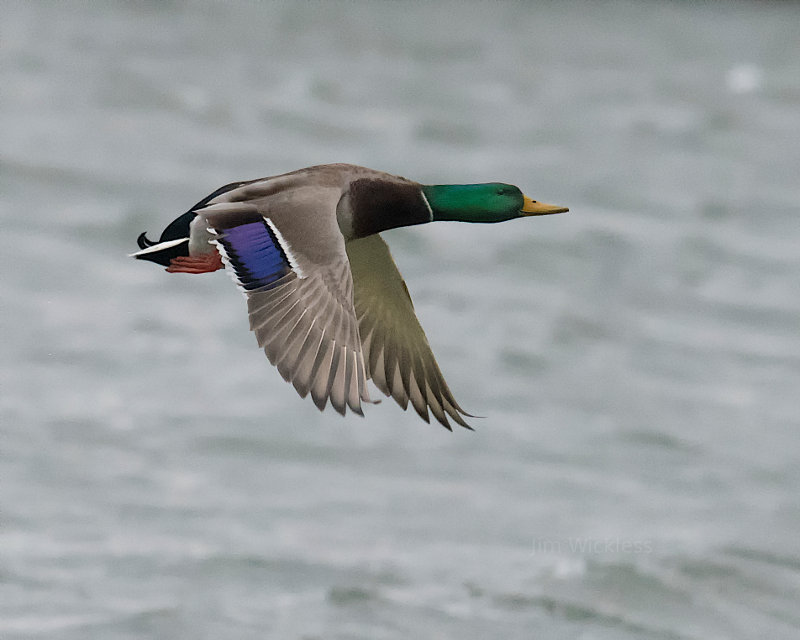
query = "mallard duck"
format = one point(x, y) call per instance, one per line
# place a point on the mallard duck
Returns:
point(325, 299)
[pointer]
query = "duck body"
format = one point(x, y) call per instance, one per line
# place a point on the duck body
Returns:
point(325, 299)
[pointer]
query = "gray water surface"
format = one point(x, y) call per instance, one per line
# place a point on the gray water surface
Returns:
point(638, 359)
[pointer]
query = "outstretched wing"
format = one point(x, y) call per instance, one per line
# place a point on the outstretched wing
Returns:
point(397, 355)
point(299, 296)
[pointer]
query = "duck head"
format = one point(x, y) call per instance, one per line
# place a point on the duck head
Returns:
point(487, 202)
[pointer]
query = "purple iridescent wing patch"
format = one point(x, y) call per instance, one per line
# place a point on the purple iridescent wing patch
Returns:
point(255, 253)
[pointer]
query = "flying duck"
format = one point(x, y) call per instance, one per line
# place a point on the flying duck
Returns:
point(325, 299)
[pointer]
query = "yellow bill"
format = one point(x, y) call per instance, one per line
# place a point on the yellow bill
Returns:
point(534, 208)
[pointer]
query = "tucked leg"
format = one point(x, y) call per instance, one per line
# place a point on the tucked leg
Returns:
point(196, 264)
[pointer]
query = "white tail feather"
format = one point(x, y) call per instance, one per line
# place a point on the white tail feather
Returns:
point(159, 247)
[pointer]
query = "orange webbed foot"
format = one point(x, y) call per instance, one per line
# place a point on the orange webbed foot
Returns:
point(196, 264)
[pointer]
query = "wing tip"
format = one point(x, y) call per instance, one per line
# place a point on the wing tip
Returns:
point(459, 420)
point(359, 411)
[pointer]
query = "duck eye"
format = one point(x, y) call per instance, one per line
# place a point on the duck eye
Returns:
point(501, 191)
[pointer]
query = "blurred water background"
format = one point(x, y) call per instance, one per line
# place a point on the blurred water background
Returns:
point(638, 358)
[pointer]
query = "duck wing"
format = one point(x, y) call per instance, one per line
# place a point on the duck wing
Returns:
point(280, 241)
point(397, 355)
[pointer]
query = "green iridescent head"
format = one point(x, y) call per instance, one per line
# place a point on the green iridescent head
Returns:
point(488, 202)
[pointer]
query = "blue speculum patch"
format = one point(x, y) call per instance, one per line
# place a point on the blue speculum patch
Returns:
point(255, 253)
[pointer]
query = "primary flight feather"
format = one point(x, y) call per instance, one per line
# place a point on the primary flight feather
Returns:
point(325, 299)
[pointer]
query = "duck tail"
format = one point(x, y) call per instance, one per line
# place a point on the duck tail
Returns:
point(173, 243)
point(161, 252)
point(143, 241)
point(174, 240)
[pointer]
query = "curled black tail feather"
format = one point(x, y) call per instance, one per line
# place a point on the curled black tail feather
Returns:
point(143, 241)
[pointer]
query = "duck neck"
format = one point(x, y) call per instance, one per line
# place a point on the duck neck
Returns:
point(371, 206)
